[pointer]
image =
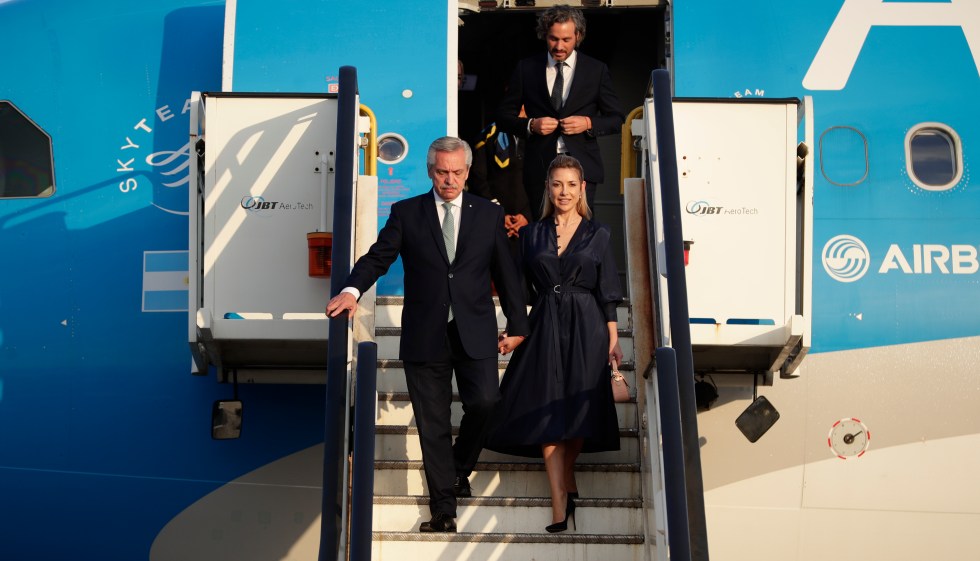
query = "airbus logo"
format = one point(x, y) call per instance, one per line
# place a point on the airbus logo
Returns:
point(928, 258)
point(845, 258)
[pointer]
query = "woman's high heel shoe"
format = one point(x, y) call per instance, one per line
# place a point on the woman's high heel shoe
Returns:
point(563, 525)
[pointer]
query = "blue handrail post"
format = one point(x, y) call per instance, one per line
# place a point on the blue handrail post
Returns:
point(335, 409)
point(678, 528)
point(680, 322)
point(362, 464)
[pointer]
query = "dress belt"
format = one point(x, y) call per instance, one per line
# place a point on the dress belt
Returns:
point(559, 289)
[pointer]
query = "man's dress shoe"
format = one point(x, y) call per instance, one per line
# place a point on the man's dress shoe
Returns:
point(440, 522)
point(461, 488)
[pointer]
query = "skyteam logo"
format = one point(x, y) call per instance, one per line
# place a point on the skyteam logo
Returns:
point(146, 167)
point(845, 258)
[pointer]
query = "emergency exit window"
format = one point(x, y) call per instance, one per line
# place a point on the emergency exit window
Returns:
point(844, 156)
point(933, 156)
point(26, 168)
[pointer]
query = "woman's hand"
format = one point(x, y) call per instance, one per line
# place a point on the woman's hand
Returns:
point(615, 352)
point(506, 344)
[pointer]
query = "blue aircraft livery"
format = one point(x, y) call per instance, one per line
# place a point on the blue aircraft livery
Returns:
point(104, 434)
point(106, 443)
point(897, 250)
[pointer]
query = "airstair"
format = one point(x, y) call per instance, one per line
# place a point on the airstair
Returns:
point(511, 505)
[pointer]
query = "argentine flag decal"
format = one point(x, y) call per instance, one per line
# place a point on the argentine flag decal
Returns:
point(165, 281)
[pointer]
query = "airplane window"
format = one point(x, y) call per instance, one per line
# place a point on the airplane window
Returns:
point(392, 148)
point(844, 156)
point(933, 158)
point(26, 168)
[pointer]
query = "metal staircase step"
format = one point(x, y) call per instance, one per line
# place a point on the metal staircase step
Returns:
point(387, 339)
point(391, 376)
point(509, 515)
point(402, 443)
point(512, 537)
point(513, 479)
point(389, 312)
point(505, 547)
point(395, 409)
point(582, 502)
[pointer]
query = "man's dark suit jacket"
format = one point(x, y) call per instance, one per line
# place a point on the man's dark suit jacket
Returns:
point(413, 230)
point(591, 95)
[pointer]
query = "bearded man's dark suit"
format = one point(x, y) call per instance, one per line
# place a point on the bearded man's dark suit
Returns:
point(591, 94)
point(431, 347)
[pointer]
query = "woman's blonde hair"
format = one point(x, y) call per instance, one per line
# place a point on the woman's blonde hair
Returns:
point(565, 161)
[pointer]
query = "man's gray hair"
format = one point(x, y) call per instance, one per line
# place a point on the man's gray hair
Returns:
point(447, 144)
point(561, 14)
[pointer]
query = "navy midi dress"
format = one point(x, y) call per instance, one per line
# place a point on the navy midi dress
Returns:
point(556, 386)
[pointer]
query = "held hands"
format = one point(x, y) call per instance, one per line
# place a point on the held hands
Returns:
point(344, 301)
point(513, 223)
point(506, 344)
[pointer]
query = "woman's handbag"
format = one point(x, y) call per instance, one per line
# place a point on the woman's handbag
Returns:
point(620, 388)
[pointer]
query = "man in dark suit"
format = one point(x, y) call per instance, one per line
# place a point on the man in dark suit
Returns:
point(449, 320)
point(569, 100)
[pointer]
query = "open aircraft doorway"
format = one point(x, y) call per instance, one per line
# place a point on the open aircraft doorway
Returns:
point(631, 41)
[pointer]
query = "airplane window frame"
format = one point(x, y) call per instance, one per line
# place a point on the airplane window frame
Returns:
point(867, 163)
point(394, 136)
point(956, 154)
point(14, 136)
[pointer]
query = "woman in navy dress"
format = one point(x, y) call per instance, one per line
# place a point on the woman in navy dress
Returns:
point(556, 397)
